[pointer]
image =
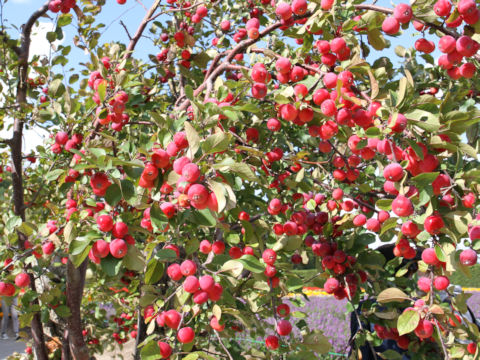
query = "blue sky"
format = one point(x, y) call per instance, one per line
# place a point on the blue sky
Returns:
point(16, 12)
point(132, 12)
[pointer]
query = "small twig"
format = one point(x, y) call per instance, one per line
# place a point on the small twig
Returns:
point(445, 353)
point(126, 30)
point(223, 346)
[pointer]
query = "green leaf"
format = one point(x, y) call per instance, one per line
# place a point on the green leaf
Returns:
point(154, 271)
point(51, 36)
point(376, 39)
point(134, 259)
point(193, 139)
point(317, 342)
point(150, 351)
point(219, 191)
point(299, 314)
point(56, 88)
point(203, 217)
point(13, 222)
point(384, 204)
point(294, 283)
point(391, 355)
point(424, 179)
point(64, 20)
point(407, 322)
point(192, 356)
point(113, 195)
point(233, 266)
point(189, 92)
point(216, 143)
point(78, 245)
point(63, 311)
point(158, 218)
point(111, 266)
point(166, 255)
point(243, 170)
point(128, 190)
point(392, 295)
point(373, 132)
point(217, 312)
point(191, 246)
point(102, 90)
point(54, 174)
point(416, 148)
point(27, 228)
point(69, 232)
point(252, 264)
point(468, 150)
point(440, 253)
point(402, 90)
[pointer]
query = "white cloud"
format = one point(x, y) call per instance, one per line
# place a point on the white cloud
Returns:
point(39, 44)
point(21, 1)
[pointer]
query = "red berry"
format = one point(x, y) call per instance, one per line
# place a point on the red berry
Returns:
point(468, 257)
point(118, 248)
point(269, 256)
point(186, 335)
point(441, 282)
point(271, 342)
point(424, 329)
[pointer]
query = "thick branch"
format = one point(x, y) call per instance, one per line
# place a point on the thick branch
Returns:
point(138, 34)
point(75, 284)
point(216, 70)
point(16, 150)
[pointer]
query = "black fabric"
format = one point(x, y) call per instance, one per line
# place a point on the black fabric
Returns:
point(365, 349)
point(386, 344)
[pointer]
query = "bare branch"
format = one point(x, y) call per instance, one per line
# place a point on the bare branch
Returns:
point(176, 10)
point(126, 30)
point(223, 345)
point(133, 42)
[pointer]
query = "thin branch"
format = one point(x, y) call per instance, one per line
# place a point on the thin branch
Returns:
point(211, 74)
point(126, 30)
point(223, 346)
point(138, 1)
point(176, 10)
point(445, 353)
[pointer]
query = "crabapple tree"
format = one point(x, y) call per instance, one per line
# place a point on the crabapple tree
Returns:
point(183, 190)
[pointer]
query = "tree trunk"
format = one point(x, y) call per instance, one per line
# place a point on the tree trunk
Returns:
point(16, 153)
point(65, 347)
point(75, 284)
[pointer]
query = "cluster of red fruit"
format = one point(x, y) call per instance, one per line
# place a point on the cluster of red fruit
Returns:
point(62, 141)
point(283, 327)
point(21, 281)
point(118, 247)
point(454, 49)
point(189, 189)
point(202, 289)
point(115, 115)
point(125, 326)
point(61, 5)
point(335, 261)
